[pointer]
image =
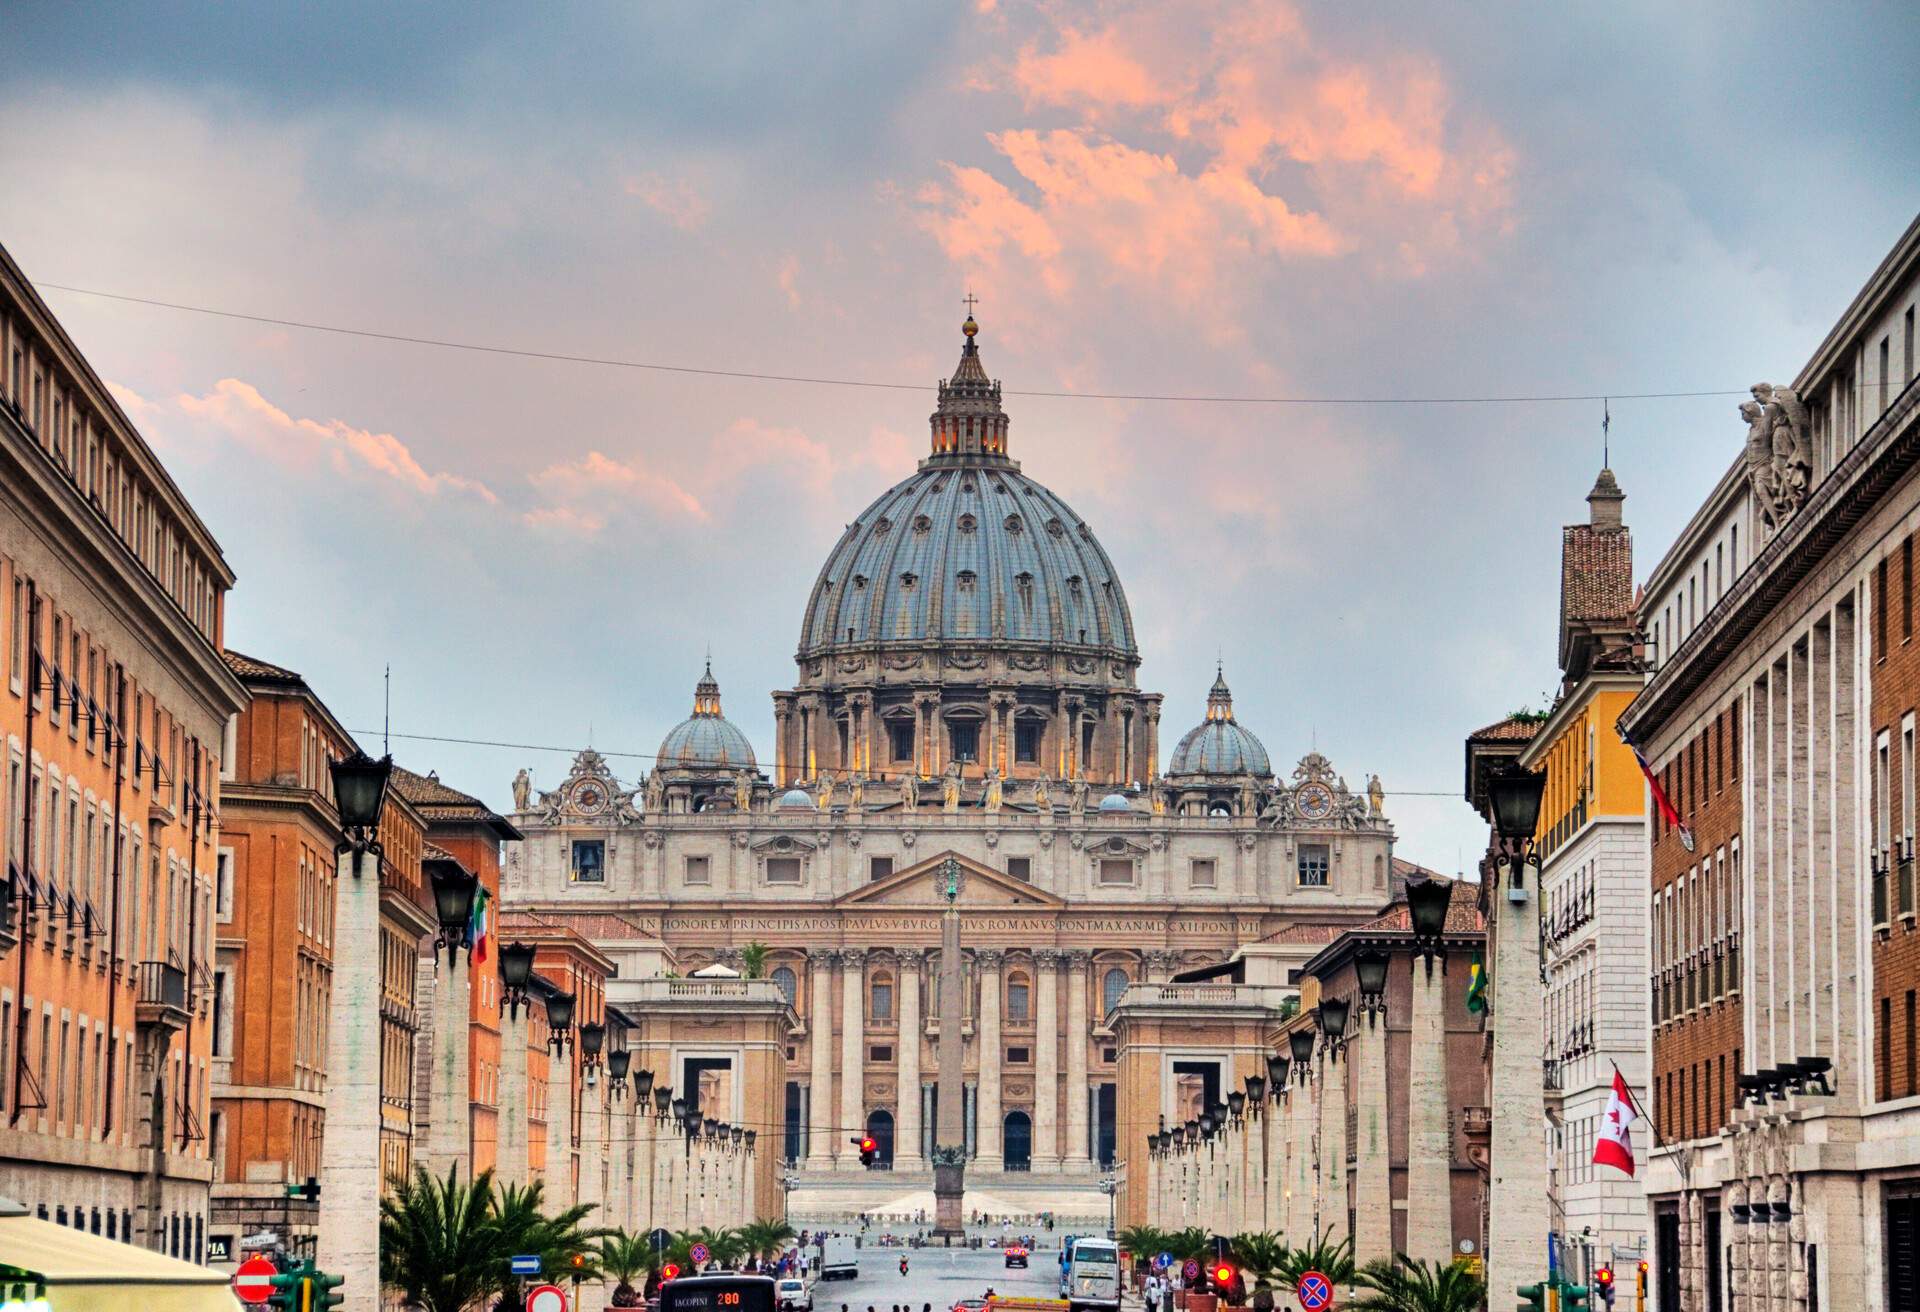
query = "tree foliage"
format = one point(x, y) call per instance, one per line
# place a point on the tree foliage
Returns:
point(445, 1245)
point(1409, 1286)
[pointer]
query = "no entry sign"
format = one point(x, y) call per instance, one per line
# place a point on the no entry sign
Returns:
point(546, 1298)
point(253, 1281)
point(1316, 1292)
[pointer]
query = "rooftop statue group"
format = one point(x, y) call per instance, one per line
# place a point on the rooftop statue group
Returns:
point(1779, 452)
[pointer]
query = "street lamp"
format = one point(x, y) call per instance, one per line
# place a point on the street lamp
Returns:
point(593, 1038)
point(679, 1108)
point(1514, 795)
point(1370, 969)
point(1333, 1022)
point(1257, 1091)
point(1427, 904)
point(516, 974)
point(1236, 1105)
point(662, 1095)
point(453, 893)
point(559, 1020)
point(643, 1084)
point(709, 1126)
point(752, 1136)
point(359, 791)
point(618, 1061)
point(1300, 1043)
point(1207, 1123)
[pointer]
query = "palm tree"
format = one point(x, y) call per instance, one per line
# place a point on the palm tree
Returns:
point(724, 1245)
point(1410, 1286)
point(753, 960)
point(439, 1247)
point(1192, 1242)
point(764, 1238)
point(1143, 1241)
point(1260, 1253)
point(622, 1257)
point(1334, 1261)
point(524, 1228)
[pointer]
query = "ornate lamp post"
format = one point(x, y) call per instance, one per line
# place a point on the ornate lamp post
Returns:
point(350, 1152)
point(516, 975)
point(1427, 903)
point(454, 890)
point(560, 1021)
point(1429, 1233)
point(619, 1061)
point(1514, 796)
point(1370, 969)
point(1332, 1014)
point(516, 989)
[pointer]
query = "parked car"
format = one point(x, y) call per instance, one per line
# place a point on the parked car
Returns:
point(1016, 1256)
point(793, 1295)
point(970, 1305)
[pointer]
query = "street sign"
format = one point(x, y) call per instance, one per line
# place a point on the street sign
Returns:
point(660, 1240)
point(253, 1281)
point(1316, 1292)
point(1190, 1269)
point(524, 1264)
point(1163, 1261)
point(546, 1298)
point(698, 1253)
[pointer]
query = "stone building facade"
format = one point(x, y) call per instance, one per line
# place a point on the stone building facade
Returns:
point(113, 702)
point(966, 687)
point(1779, 719)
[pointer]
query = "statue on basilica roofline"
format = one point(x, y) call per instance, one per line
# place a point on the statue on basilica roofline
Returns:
point(1042, 799)
point(856, 792)
point(522, 789)
point(990, 801)
point(743, 791)
point(1077, 794)
point(823, 791)
point(909, 792)
point(950, 788)
point(1249, 796)
point(656, 792)
point(1779, 452)
point(1376, 797)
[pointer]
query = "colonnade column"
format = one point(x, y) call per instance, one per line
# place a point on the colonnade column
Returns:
point(1046, 1061)
point(591, 1193)
point(510, 1135)
point(448, 1130)
point(1333, 1145)
point(350, 1154)
point(853, 1077)
point(906, 1121)
point(988, 1145)
point(1253, 1163)
point(1372, 1189)
point(1274, 1117)
point(821, 1140)
point(1517, 1206)
point(643, 1139)
point(1075, 1157)
point(1429, 1152)
point(559, 1174)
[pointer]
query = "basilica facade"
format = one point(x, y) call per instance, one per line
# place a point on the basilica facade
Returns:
point(966, 688)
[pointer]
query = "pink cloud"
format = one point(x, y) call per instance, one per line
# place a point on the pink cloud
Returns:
point(238, 409)
point(1096, 70)
point(585, 493)
point(675, 198)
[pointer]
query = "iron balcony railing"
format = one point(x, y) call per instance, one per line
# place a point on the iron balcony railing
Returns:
point(162, 984)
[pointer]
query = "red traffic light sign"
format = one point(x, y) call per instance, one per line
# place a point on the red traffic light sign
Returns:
point(1315, 1291)
point(671, 1271)
point(253, 1280)
point(1223, 1275)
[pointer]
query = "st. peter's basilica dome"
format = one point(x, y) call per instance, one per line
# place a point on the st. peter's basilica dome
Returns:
point(705, 740)
point(1219, 744)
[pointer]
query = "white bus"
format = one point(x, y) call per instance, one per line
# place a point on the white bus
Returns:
point(1093, 1275)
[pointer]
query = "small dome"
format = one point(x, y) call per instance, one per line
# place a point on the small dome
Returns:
point(1220, 744)
point(1115, 804)
point(796, 799)
point(705, 740)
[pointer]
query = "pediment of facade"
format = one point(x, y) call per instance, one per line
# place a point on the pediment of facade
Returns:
point(919, 886)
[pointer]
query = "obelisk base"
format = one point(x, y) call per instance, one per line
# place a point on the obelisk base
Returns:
point(949, 1188)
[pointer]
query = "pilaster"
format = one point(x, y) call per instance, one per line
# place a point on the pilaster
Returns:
point(349, 1231)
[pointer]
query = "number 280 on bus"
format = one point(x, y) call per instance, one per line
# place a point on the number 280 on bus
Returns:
point(717, 1294)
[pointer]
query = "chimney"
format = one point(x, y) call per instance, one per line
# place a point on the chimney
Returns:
point(1604, 501)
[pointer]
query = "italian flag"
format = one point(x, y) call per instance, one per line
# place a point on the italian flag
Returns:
point(477, 924)
point(1613, 1145)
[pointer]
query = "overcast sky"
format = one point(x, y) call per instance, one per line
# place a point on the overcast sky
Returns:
point(1226, 198)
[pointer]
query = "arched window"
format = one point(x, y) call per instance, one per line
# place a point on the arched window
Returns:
point(1018, 992)
point(880, 997)
point(789, 986)
point(1017, 1141)
point(1113, 986)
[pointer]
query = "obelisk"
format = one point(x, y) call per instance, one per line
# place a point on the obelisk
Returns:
point(949, 1124)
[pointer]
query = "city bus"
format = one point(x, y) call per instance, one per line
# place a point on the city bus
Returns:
point(717, 1294)
point(1093, 1275)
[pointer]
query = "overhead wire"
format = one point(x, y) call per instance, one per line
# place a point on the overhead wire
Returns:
point(710, 371)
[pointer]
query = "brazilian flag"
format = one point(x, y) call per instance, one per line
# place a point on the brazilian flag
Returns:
point(1477, 986)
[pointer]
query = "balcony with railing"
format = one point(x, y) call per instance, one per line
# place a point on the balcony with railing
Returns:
point(160, 1000)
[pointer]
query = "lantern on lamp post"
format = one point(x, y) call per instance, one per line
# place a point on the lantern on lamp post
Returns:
point(1427, 904)
point(560, 1021)
point(516, 975)
point(1300, 1043)
point(593, 1040)
point(453, 892)
point(1332, 1014)
point(1514, 796)
point(1370, 971)
point(359, 793)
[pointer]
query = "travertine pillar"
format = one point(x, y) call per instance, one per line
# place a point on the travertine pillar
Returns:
point(1253, 1164)
point(1517, 1205)
point(593, 1149)
point(1046, 1061)
point(1429, 1152)
point(559, 1169)
point(644, 1137)
point(822, 1143)
point(617, 1136)
point(350, 1150)
point(1075, 1156)
point(906, 1121)
point(853, 1039)
point(1303, 1179)
point(989, 1147)
point(510, 1149)
point(450, 1123)
point(1366, 1062)
point(1274, 1117)
point(1333, 1146)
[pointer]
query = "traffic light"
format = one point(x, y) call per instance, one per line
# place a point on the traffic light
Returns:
point(287, 1289)
point(869, 1148)
point(1223, 1276)
point(1603, 1283)
point(671, 1271)
point(1535, 1297)
point(321, 1295)
point(1573, 1298)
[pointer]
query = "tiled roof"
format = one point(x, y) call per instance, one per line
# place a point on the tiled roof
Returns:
point(250, 667)
point(1513, 729)
point(434, 852)
point(1305, 934)
point(1596, 573)
point(1463, 913)
point(439, 802)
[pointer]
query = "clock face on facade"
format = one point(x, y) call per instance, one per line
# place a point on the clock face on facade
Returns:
point(589, 798)
point(1314, 801)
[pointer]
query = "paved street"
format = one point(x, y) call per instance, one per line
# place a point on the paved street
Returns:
point(938, 1276)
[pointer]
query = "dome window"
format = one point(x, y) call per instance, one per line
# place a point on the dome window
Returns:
point(999, 487)
point(1023, 584)
point(1073, 585)
point(968, 523)
point(939, 486)
point(908, 579)
point(1056, 528)
point(882, 526)
point(1014, 525)
point(922, 525)
point(860, 582)
point(966, 486)
point(966, 578)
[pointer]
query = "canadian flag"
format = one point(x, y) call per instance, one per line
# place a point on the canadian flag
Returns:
point(1613, 1145)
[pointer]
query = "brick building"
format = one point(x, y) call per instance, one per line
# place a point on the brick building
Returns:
point(111, 714)
point(1779, 719)
point(273, 976)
